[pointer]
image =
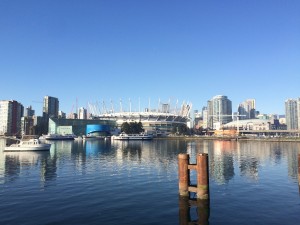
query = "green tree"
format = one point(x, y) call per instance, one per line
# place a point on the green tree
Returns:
point(180, 129)
point(132, 128)
point(125, 128)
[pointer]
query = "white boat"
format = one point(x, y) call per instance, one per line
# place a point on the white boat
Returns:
point(59, 136)
point(92, 137)
point(124, 136)
point(28, 145)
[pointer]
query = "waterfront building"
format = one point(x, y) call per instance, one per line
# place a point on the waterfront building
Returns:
point(27, 125)
point(82, 113)
point(250, 124)
point(205, 117)
point(73, 116)
point(219, 111)
point(50, 107)
point(10, 117)
point(29, 111)
point(291, 114)
point(61, 114)
point(159, 122)
point(298, 112)
point(50, 110)
point(247, 109)
point(81, 127)
point(198, 119)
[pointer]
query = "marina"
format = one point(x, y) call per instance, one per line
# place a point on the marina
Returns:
point(105, 182)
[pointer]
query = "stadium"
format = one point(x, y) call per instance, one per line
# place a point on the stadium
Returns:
point(158, 121)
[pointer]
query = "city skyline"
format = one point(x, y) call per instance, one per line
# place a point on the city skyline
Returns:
point(112, 50)
point(105, 107)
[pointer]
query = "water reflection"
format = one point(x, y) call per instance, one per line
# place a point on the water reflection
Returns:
point(17, 163)
point(193, 211)
point(230, 158)
point(227, 159)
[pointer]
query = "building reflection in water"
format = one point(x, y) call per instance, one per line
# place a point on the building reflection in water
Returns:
point(17, 163)
point(229, 158)
point(226, 158)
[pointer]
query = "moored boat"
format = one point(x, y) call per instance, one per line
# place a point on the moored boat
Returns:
point(124, 136)
point(59, 137)
point(28, 145)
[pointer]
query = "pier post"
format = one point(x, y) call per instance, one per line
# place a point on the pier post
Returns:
point(183, 174)
point(202, 176)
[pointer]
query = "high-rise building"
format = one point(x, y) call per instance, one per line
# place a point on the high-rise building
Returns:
point(82, 113)
point(50, 110)
point(205, 117)
point(50, 107)
point(29, 112)
point(61, 114)
point(298, 112)
point(291, 114)
point(247, 109)
point(219, 111)
point(10, 117)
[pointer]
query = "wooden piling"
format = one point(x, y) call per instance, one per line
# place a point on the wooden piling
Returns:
point(202, 187)
point(183, 174)
point(202, 176)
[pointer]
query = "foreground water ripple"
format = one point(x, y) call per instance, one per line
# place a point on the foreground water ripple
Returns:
point(114, 182)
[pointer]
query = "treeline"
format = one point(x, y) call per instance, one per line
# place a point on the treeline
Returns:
point(179, 129)
point(132, 128)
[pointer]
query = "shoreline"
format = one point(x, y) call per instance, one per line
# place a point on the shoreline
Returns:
point(266, 139)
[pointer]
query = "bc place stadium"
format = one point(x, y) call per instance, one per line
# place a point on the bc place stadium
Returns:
point(159, 121)
point(103, 121)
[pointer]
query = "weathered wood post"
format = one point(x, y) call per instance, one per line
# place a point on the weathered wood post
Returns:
point(202, 176)
point(201, 189)
point(183, 174)
point(202, 186)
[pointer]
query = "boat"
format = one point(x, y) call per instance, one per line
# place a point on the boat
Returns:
point(124, 136)
point(91, 136)
point(28, 145)
point(59, 136)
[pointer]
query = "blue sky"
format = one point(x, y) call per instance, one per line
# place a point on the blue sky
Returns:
point(158, 49)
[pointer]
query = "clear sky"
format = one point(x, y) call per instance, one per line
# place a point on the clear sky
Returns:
point(191, 50)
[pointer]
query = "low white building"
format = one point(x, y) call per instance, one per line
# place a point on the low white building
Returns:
point(251, 124)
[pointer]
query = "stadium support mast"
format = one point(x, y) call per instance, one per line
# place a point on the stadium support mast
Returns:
point(121, 109)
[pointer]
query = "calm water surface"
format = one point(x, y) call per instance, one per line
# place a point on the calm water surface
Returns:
point(114, 182)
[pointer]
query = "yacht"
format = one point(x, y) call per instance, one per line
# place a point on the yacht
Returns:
point(28, 145)
point(124, 136)
point(59, 136)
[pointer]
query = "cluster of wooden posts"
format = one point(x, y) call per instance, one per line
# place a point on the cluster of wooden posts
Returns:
point(185, 187)
point(201, 189)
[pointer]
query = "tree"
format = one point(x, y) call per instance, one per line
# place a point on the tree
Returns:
point(180, 129)
point(132, 128)
point(125, 128)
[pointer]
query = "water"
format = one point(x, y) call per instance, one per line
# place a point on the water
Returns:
point(114, 182)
